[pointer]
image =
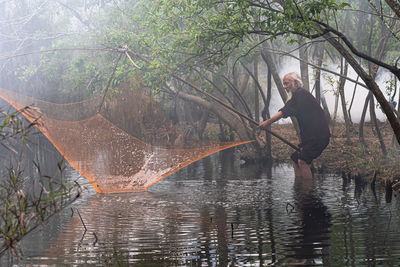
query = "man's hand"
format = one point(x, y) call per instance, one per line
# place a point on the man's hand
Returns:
point(264, 125)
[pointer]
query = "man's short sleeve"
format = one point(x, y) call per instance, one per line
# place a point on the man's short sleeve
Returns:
point(289, 109)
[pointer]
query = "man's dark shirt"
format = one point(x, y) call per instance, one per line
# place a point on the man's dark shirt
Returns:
point(310, 116)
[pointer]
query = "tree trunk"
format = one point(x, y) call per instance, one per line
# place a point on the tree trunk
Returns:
point(352, 100)
point(377, 129)
point(265, 111)
point(235, 78)
point(278, 82)
point(362, 119)
point(203, 122)
point(319, 55)
point(244, 83)
point(256, 94)
point(238, 95)
point(336, 106)
point(373, 72)
point(256, 83)
point(398, 112)
point(266, 55)
point(369, 82)
point(243, 130)
point(268, 115)
point(343, 101)
point(303, 55)
point(325, 107)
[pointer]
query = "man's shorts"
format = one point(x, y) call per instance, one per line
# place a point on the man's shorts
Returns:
point(310, 150)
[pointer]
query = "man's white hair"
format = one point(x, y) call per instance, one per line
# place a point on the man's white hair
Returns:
point(294, 76)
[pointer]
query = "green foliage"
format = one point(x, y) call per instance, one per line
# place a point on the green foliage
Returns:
point(25, 72)
point(27, 201)
point(180, 35)
point(390, 86)
point(176, 36)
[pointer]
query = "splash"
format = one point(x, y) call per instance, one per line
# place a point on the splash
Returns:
point(111, 159)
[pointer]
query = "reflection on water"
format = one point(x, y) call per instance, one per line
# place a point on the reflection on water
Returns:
point(215, 213)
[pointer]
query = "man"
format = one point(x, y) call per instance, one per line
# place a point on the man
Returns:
point(314, 128)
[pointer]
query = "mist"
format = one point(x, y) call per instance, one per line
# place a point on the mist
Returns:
point(329, 90)
point(131, 103)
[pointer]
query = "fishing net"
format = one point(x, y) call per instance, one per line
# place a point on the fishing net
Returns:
point(109, 157)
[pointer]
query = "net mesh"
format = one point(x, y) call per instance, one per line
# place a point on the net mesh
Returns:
point(110, 158)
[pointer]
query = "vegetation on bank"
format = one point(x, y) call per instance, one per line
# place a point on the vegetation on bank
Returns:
point(27, 197)
point(349, 159)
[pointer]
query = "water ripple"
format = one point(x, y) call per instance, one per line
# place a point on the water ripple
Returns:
point(228, 216)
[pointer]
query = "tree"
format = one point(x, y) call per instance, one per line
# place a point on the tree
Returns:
point(208, 38)
point(207, 32)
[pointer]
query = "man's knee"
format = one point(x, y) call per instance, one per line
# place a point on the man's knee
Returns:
point(305, 169)
point(302, 163)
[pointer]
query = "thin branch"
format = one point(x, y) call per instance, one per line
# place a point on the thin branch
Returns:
point(354, 93)
point(355, 51)
point(55, 50)
point(257, 83)
point(234, 111)
point(109, 82)
point(282, 53)
point(251, 49)
point(76, 15)
point(25, 19)
point(238, 94)
point(220, 102)
point(370, 13)
point(388, 27)
point(130, 59)
point(214, 85)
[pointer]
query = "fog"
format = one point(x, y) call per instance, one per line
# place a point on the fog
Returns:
point(63, 24)
point(329, 90)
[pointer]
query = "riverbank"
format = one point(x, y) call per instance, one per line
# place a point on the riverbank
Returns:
point(350, 159)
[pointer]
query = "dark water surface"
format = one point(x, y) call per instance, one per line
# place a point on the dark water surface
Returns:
point(215, 213)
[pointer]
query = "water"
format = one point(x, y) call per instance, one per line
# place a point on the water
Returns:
point(216, 213)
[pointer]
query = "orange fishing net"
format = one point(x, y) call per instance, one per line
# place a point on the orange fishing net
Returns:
point(110, 158)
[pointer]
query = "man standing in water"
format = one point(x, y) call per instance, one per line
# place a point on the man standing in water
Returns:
point(314, 128)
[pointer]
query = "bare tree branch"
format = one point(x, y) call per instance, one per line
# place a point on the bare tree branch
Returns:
point(355, 51)
point(395, 6)
point(380, 14)
point(76, 15)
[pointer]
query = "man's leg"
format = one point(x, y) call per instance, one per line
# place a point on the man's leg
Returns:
point(308, 153)
point(304, 169)
point(294, 158)
point(304, 179)
point(297, 172)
